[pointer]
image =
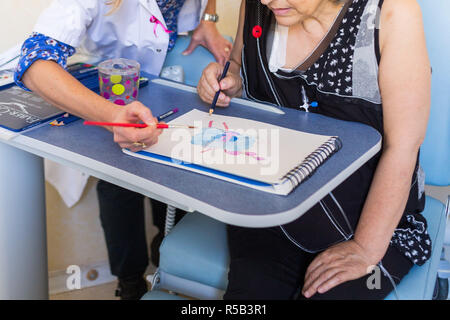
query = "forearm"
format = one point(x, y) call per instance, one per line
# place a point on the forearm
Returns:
point(236, 52)
point(211, 7)
point(59, 88)
point(236, 55)
point(235, 66)
point(386, 201)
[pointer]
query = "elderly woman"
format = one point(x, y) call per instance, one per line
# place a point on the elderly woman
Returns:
point(363, 61)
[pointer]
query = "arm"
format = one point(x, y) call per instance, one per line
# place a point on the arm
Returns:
point(231, 85)
point(211, 7)
point(49, 80)
point(207, 35)
point(405, 83)
point(59, 88)
point(235, 57)
point(64, 24)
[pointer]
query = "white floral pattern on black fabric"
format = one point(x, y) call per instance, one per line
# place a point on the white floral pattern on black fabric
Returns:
point(413, 239)
point(333, 72)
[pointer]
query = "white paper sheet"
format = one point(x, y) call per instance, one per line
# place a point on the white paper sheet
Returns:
point(242, 147)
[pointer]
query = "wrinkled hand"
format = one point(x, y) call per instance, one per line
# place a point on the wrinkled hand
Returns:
point(208, 85)
point(341, 263)
point(128, 137)
point(209, 37)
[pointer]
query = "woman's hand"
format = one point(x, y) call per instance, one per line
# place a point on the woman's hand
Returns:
point(209, 37)
point(341, 263)
point(231, 85)
point(135, 139)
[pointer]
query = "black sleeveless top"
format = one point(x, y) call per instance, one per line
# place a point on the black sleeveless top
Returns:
point(344, 82)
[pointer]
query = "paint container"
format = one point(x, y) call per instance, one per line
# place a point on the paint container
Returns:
point(119, 80)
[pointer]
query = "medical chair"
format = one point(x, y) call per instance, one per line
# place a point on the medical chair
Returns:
point(194, 255)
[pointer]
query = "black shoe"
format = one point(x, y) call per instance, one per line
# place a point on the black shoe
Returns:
point(154, 248)
point(131, 288)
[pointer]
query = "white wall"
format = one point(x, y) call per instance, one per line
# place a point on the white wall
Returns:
point(17, 18)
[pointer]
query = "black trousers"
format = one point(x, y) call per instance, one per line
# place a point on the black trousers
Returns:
point(266, 265)
point(122, 217)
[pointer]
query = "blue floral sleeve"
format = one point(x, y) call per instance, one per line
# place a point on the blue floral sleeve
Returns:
point(41, 47)
point(170, 10)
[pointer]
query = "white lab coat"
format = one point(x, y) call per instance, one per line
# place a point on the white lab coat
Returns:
point(127, 33)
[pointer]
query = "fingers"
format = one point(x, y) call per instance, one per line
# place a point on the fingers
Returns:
point(137, 111)
point(211, 75)
point(222, 51)
point(208, 95)
point(327, 280)
point(209, 85)
point(327, 267)
point(228, 83)
point(341, 263)
point(207, 35)
point(321, 274)
point(220, 56)
point(138, 146)
point(192, 46)
point(130, 137)
point(135, 138)
point(319, 262)
point(333, 281)
point(142, 135)
point(223, 100)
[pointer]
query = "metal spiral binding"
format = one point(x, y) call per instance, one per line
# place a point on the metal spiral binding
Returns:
point(313, 161)
point(170, 219)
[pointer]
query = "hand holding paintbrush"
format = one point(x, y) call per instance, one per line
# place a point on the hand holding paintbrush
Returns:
point(137, 125)
point(134, 127)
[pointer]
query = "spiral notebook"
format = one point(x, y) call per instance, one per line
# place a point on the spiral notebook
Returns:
point(247, 152)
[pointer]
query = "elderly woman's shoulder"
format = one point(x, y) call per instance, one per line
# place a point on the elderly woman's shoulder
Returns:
point(398, 19)
point(401, 8)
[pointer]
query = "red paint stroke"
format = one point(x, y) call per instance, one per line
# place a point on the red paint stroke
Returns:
point(234, 153)
point(254, 155)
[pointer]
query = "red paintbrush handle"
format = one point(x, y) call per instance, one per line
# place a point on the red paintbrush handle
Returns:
point(132, 125)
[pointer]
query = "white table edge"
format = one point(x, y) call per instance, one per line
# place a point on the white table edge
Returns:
point(167, 195)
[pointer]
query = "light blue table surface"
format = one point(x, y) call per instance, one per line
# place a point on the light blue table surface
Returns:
point(223, 200)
